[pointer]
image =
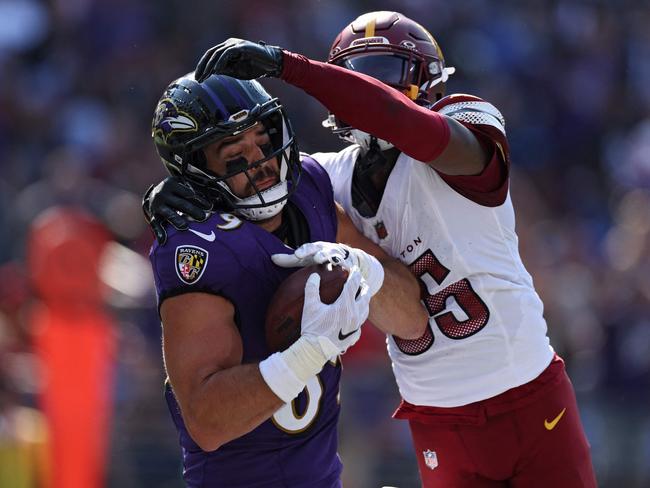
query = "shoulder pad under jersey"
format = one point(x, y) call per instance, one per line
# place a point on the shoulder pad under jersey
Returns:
point(472, 110)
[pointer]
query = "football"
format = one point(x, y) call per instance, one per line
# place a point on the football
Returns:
point(284, 314)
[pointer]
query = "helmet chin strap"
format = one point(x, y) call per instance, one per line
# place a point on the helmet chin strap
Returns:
point(276, 192)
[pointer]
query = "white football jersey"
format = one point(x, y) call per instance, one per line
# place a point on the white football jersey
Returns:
point(487, 332)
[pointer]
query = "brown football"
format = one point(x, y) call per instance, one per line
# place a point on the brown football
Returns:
point(284, 314)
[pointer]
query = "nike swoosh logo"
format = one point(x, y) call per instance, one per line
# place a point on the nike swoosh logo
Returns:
point(208, 237)
point(551, 425)
point(343, 336)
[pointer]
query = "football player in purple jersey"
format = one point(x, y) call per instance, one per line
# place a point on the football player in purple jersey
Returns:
point(427, 179)
point(248, 416)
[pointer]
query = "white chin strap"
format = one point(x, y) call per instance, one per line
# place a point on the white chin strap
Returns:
point(363, 139)
point(271, 194)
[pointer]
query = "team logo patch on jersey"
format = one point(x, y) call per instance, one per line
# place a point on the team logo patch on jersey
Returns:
point(191, 262)
point(430, 459)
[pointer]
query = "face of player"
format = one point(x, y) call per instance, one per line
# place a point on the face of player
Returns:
point(230, 153)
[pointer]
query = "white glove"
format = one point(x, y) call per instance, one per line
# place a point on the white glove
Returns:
point(338, 254)
point(326, 332)
point(336, 326)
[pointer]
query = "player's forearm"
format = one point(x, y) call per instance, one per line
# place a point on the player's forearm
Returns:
point(396, 309)
point(228, 404)
point(371, 106)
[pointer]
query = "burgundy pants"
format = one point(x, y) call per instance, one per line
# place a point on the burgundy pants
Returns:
point(527, 437)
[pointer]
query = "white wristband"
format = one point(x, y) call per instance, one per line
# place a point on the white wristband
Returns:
point(287, 372)
point(282, 381)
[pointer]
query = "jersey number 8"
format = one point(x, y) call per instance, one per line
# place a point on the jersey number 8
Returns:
point(289, 420)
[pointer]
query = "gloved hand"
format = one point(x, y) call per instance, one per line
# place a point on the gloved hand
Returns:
point(240, 59)
point(326, 332)
point(338, 254)
point(337, 326)
point(162, 202)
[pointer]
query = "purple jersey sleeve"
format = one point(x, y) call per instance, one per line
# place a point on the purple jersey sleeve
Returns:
point(189, 260)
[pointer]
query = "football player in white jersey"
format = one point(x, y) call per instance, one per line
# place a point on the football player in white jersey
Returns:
point(426, 177)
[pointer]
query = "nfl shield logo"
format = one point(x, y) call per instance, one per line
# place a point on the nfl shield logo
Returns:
point(190, 263)
point(380, 228)
point(430, 459)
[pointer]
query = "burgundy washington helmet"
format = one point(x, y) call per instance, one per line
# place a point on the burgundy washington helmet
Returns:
point(395, 50)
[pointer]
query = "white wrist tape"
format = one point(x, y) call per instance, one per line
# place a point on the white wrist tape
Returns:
point(287, 372)
point(282, 381)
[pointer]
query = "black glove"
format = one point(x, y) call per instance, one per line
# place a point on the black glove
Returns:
point(240, 59)
point(162, 202)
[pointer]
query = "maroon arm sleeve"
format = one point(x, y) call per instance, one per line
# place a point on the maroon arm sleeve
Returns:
point(371, 106)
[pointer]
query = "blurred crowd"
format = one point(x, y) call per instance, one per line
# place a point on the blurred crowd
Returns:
point(80, 79)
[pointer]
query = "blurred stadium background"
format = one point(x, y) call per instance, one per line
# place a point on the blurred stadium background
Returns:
point(80, 368)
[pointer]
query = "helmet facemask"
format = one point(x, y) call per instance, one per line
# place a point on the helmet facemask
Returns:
point(349, 134)
point(263, 203)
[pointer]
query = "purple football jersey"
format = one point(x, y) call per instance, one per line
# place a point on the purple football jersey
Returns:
point(232, 258)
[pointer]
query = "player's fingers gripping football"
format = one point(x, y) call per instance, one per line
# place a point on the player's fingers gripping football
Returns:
point(301, 257)
point(337, 326)
point(337, 254)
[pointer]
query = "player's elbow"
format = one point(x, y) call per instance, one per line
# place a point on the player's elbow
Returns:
point(204, 427)
point(203, 435)
point(206, 444)
point(416, 325)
